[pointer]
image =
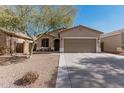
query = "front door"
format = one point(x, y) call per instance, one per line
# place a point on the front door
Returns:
point(102, 46)
point(56, 44)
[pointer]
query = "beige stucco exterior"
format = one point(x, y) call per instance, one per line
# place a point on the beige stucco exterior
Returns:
point(51, 36)
point(10, 41)
point(112, 43)
point(51, 42)
point(80, 33)
point(122, 37)
point(2, 39)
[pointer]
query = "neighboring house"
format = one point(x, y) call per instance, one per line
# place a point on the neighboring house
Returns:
point(12, 42)
point(113, 42)
point(75, 39)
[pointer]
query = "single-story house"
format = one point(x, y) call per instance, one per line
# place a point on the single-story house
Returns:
point(113, 42)
point(13, 42)
point(76, 39)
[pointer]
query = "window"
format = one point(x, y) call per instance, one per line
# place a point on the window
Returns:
point(45, 43)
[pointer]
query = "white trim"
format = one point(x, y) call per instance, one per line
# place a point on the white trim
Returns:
point(98, 49)
point(56, 38)
point(96, 46)
point(80, 37)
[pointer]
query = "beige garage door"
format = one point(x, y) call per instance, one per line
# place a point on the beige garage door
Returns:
point(80, 45)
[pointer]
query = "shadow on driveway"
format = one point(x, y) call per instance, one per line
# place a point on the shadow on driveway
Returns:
point(96, 72)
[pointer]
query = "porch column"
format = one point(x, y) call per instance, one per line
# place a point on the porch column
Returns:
point(61, 45)
point(98, 48)
point(26, 47)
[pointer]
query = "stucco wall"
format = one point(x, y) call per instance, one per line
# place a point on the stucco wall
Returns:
point(14, 41)
point(10, 40)
point(79, 32)
point(112, 43)
point(122, 37)
point(51, 42)
point(26, 44)
point(2, 39)
point(55, 33)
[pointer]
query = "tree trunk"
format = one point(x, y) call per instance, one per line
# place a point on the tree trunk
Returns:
point(11, 51)
point(31, 49)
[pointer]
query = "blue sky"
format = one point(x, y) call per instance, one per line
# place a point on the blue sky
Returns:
point(104, 18)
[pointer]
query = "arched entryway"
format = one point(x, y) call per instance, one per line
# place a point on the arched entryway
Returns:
point(56, 44)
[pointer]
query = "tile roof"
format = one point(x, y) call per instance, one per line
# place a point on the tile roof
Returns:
point(16, 34)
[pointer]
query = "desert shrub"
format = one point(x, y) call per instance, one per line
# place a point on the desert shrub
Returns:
point(28, 78)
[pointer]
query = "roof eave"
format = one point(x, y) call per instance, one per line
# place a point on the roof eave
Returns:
point(14, 34)
point(81, 26)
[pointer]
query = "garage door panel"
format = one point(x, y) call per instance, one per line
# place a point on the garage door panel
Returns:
point(80, 45)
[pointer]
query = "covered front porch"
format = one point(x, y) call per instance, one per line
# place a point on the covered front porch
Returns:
point(47, 43)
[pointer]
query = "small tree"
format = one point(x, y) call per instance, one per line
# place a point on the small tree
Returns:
point(8, 19)
point(33, 20)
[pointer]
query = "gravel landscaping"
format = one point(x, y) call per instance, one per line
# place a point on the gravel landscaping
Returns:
point(45, 65)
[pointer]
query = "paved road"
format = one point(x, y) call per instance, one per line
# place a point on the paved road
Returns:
point(90, 70)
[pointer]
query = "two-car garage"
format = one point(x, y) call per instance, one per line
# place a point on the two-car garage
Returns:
point(80, 39)
point(80, 45)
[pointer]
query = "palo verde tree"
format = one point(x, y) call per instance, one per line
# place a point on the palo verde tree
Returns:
point(8, 19)
point(33, 20)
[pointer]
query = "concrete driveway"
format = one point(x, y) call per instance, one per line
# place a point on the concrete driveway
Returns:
point(90, 70)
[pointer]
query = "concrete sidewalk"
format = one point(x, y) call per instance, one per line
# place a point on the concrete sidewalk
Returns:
point(63, 74)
